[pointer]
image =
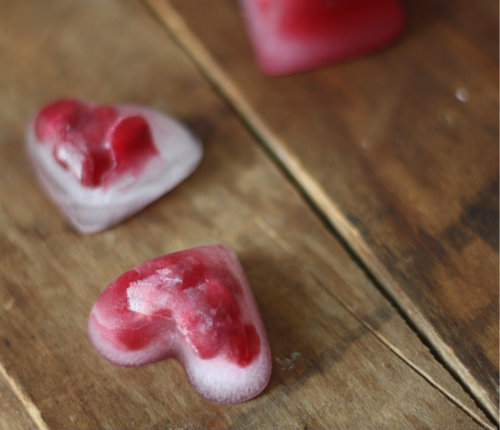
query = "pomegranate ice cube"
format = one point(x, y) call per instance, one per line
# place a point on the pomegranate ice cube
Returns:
point(195, 306)
point(295, 35)
point(102, 164)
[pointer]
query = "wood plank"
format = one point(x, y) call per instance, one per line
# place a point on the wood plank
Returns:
point(16, 410)
point(399, 152)
point(325, 318)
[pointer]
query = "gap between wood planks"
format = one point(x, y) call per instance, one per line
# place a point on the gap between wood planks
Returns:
point(329, 213)
point(25, 399)
point(395, 350)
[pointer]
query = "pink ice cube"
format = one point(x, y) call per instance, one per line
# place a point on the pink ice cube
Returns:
point(102, 164)
point(195, 306)
point(294, 35)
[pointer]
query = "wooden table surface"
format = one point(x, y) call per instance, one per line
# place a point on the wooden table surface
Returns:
point(361, 199)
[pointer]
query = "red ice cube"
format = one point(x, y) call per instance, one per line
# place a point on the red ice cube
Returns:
point(101, 164)
point(295, 35)
point(195, 306)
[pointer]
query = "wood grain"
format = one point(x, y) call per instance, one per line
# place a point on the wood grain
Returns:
point(399, 152)
point(15, 408)
point(328, 325)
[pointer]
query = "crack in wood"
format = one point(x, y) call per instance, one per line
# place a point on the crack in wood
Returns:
point(25, 399)
point(396, 351)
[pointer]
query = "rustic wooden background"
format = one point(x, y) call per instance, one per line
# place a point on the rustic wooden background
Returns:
point(361, 199)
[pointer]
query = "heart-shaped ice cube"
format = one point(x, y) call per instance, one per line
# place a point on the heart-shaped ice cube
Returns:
point(195, 306)
point(101, 164)
point(294, 35)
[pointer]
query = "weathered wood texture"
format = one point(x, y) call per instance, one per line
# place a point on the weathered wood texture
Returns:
point(399, 151)
point(13, 411)
point(343, 356)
